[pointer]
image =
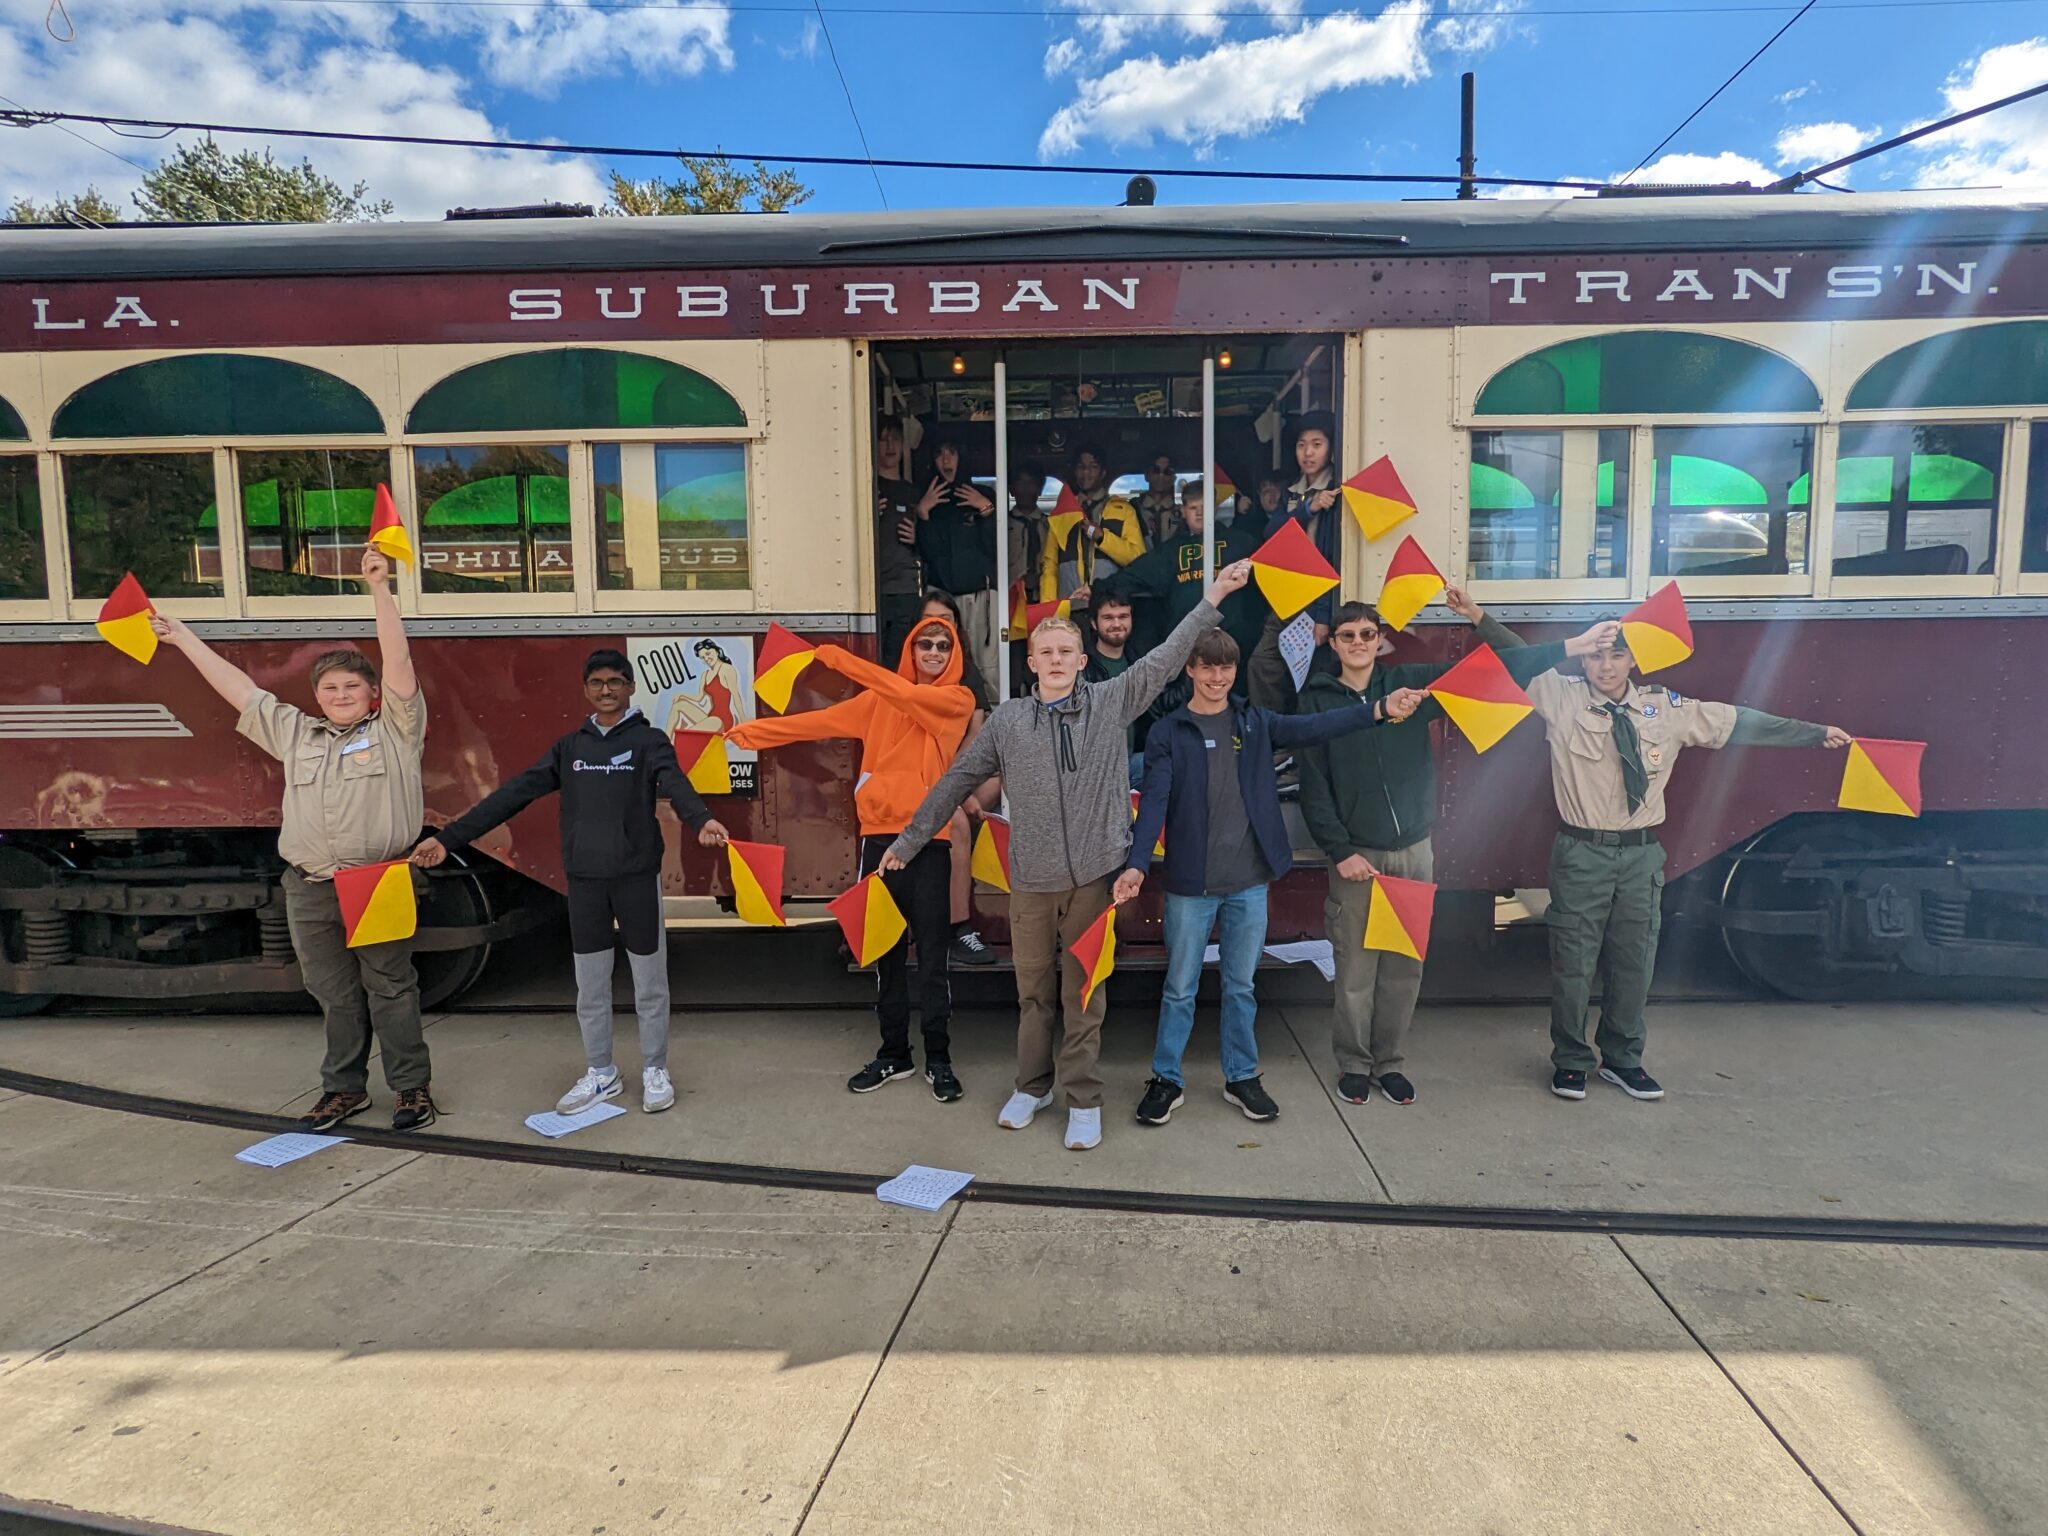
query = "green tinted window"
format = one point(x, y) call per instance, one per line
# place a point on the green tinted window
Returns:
point(1644, 373)
point(1917, 499)
point(150, 513)
point(21, 529)
point(217, 395)
point(11, 428)
point(1984, 365)
point(306, 516)
point(495, 519)
point(573, 389)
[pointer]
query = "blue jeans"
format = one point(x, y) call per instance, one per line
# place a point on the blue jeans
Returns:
point(1240, 919)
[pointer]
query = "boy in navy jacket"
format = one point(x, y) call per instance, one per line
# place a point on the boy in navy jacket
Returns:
point(1210, 787)
point(609, 772)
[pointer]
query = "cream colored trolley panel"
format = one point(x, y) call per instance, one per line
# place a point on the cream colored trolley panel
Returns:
point(810, 554)
point(1409, 400)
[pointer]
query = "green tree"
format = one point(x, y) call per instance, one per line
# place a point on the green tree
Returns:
point(89, 207)
point(203, 184)
point(709, 184)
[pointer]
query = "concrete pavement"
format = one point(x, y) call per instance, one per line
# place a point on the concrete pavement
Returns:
point(369, 1341)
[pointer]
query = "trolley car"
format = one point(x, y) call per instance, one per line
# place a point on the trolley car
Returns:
point(1827, 418)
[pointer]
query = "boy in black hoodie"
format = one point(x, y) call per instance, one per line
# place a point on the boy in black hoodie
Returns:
point(608, 771)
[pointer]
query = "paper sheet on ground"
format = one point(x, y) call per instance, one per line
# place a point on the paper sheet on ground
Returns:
point(1315, 952)
point(548, 1123)
point(922, 1188)
point(288, 1148)
point(1298, 647)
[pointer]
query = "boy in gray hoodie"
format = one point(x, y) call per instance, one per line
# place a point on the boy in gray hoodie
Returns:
point(1062, 758)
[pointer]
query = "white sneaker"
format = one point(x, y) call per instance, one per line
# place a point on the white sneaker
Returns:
point(656, 1091)
point(591, 1088)
point(1017, 1113)
point(1084, 1129)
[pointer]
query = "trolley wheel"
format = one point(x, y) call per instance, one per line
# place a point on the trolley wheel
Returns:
point(24, 866)
point(1801, 965)
point(456, 899)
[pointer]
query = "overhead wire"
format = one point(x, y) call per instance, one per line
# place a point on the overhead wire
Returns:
point(1696, 111)
point(852, 110)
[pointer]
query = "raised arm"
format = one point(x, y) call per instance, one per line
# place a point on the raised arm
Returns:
point(1128, 694)
point(222, 675)
point(394, 651)
point(941, 711)
point(977, 761)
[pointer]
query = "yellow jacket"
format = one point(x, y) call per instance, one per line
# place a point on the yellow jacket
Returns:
point(1068, 560)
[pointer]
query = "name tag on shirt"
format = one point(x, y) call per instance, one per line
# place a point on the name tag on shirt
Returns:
point(360, 744)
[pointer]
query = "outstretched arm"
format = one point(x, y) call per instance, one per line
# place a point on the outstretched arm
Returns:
point(222, 675)
point(1307, 730)
point(1754, 728)
point(941, 711)
point(394, 651)
point(849, 717)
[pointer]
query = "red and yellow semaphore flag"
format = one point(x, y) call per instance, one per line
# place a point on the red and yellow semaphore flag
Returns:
point(1377, 498)
point(782, 660)
point(124, 620)
point(377, 903)
point(1397, 916)
point(387, 529)
point(757, 882)
point(1290, 570)
point(1095, 953)
point(1412, 584)
point(1882, 776)
point(1224, 486)
point(870, 919)
point(1481, 699)
point(990, 861)
point(1656, 631)
point(1025, 617)
point(705, 761)
point(1066, 513)
point(1158, 848)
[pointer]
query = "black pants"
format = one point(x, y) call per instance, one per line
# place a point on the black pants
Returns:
point(633, 901)
point(360, 991)
point(922, 891)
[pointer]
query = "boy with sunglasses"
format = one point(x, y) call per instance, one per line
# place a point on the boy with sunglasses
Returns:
point(1369, 800)
point(608, 771)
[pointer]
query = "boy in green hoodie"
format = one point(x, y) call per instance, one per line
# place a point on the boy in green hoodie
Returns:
point(1369, 800)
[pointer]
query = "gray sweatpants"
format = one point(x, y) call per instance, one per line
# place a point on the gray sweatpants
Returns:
point(650, 1002)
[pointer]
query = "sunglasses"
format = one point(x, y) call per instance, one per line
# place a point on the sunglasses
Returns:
point(1356, 636)
point(941, 646)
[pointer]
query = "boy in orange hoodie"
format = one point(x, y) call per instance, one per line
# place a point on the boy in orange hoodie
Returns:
point(909, 723)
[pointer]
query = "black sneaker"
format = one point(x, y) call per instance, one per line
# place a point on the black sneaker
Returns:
point(1162, 1097)
point(876, 1073)
point(945, 1086)
point(1568, 1085)
point(1354, 1087)
point(1397, 1088)
point(415, 1110)
point(332, 1109)
point(1633, 1081)
point(1250, 1095)
point(967, 949)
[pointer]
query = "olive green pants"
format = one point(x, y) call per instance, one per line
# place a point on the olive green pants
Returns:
point(1605, 910)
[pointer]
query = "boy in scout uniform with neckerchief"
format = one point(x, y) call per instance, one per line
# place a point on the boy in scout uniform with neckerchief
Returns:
point(351, 797)
point(1613, 744)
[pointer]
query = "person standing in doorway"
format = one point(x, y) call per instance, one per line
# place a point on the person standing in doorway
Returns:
point(956, 538)
point(898, 579)
point(1314, 501)
point(609, 773)
point(352, 797)
point(1158, 507)
point(1107, 535)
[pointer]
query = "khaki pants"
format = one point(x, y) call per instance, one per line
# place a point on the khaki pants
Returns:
point(1042, 925)
point(358, 990)
point(1376, 990)
point(1606, 909)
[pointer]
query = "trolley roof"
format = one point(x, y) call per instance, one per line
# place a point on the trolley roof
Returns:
point(1281, 231)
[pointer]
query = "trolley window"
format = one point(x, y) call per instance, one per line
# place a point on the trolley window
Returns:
point(23, 574)
point(12, 429)
point(1916, 500)
point(574, 389)
point(305, 518)
point(671, 516)
point(1645, 373)
point(2003, 364)
point(217, 395)
point(150, 513)
point(1549, 505)
point(2034, 543)
point(495, 519)
point(1723, 502)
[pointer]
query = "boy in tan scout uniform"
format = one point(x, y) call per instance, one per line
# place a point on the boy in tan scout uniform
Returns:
point(1613, 744)
point(351, 797)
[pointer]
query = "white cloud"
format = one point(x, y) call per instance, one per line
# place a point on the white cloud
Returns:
point(1241, 88)
point(806, 45)
point(1474, 26)
point(1682, 170)
point(1061, 57)
point(1818, 143)
point(200, 67)
point(1786, 98)
point(1111, 26)
point(2008, 148)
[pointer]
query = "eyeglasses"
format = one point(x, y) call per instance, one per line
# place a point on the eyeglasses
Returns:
point(940, 646)
point(605, 684)
point(1356, 636)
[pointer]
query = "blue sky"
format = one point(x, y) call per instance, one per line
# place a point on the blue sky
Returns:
point(1276, 84)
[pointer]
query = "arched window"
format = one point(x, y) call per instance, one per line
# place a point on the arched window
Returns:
point(1983, 365)
point(574, 389)
point(217, 395)
point(23, 576)
point(1648, 373)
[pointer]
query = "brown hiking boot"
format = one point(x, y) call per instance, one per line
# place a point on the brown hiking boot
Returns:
point(332, 1109)
point(415, 1110)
